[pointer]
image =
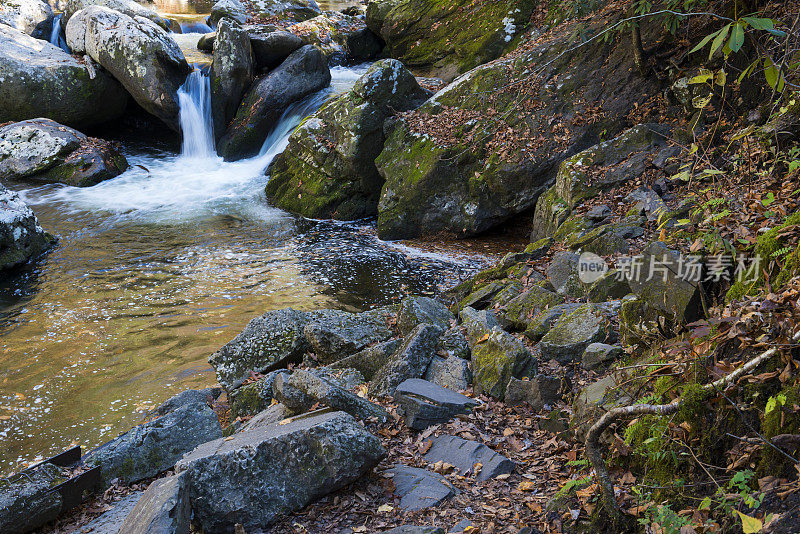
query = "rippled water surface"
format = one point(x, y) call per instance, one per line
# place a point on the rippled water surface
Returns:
point(159, 267)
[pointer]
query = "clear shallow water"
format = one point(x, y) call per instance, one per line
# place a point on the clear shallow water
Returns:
point(158, 268)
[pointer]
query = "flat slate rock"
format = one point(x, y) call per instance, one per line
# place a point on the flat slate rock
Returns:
point(464, 454)
point(425, 404)
point(163, 509)
point(110, 521)
point(419, 488)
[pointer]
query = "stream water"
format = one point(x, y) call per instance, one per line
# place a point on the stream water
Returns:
point(159, 267)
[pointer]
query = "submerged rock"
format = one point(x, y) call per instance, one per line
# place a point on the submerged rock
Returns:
point(153, 447)
point(38, 79)
point(21, 237)
point(24, 15)
point(138, 52)
point(328, 169)
point(42, 149)
point(304, 72)
point(261, 474)
point(231, 73)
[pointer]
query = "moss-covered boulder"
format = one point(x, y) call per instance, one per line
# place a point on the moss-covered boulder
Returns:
point(38, 79)
point(138, 52)
point(445, 38)
point(231, 73)
point(328, 170)
point(472, 157)
point(251, 398)
point(343, 38)
point(518, 313)
point(43, 150)
point(568, 339)
point(497, 358)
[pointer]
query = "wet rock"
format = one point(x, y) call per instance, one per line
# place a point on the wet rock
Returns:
point(451, 372)
point(270, 416)
point(419, 488)
point(24, 15)
point(41, 80)
point(305, 71)
point(228, 9)
point(27, 502)
point(477, 323)
point(206, 42)
point(137, 52)
point(334, 334)
point(127, 7)
point(454, 343)
point(519, 311)
point(249, 399)
point(418, 310)
point(21, 237)
point(261, 474)
point(371, 359)
point(270, 48)
point(424, 403)
point(600, 355)
point(162, 509)
point(266, 343)
point(442, 38)
point(410, 361)
point(568, 339)
point(496, 360)
point(343, 38)
point(153, 447)
point(231, 73)
point(328, 169)
point(189, 397)
point(465, 454)
point(301, 390)
point(42, 149)
point(538, 391)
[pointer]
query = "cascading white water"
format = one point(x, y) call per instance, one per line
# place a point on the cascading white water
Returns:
point(56, 35)
point(197, 126)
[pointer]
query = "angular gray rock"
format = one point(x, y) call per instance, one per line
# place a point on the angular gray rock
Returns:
point(109, 522)
point(496, 360)
point(275, 413)
point(303, 389)
point(334, 334)
point(418, 310)
point(137, 52)
point(370, 360)
point(424, 403)
point(568, 339)
point(27, 503)
point(24, 15)
point(42, 149)
point(343, 38)
point(206, 42)
point(231, 73)
point(162, 509)
point(228, 9)
point(266, 343)
point(419, 488)
point(562, 271)
point(270, 48)
point(189, 397)
point(305, 71)
point(599, 355)
point(465, 454)
point(518, 312)
point(38, 79)
point(21, 237)
point(153, 447)
point(451, 372)
point(454, 343)
point(261, 474)
point(477, 323)
point(538, 391)
point(251, 398)
point(542, 322)
point(409, 361)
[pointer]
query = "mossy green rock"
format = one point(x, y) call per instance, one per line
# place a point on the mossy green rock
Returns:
point(341, 37)
point(445, 38)
point(520, 311)
point(328, 169)
point(252, 398)
point(496, 360)
point(568, 339)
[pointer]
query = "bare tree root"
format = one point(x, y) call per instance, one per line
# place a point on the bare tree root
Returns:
point(593, 450)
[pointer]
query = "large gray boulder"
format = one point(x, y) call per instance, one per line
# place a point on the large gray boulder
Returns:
point(27, 502)
point(305, 71)
point(153, 447)
point(162, 509)
point(42, 149)
point(138, 52)
point(261, 474)
point(410, 361)
point(231, 73)
point(568, 339)
point(266, 343)
point(343, 38)
point(38, 79)
point(21, 237)
point(418, 310)
point(126, 7)
point(24, 15)
point(328, 169)
point(334, 334)
point(271, 47)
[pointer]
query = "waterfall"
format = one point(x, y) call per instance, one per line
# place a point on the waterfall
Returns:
point(194, 98)
point(57, 36)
